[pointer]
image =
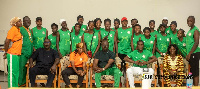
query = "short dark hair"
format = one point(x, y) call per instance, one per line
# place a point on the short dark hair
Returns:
point(140, 41)
point(134, 19)
point(192, 17)
point(39, 18)
point(53, 24)
point(151, 21)
point(95, 21)
point(138, 25)
point(77, 24)
point(174, 22)
point(91, 22)
point(80, 16)
point(107, 20)
point(146, 28)
point(164, 25)
point(117, 20)
point(25, 17)
point(175, 46)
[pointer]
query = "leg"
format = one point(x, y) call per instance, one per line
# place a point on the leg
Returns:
point(50, 78)
point(32, 74)
point(167, 79)
point(22, 69)
point(13, 70)
point(97, 80)
point(80, 78)
point(194, 63)
point(117, 74)
point(67, 72)
point(151, 72)
point(130, 72)
point(180, 79)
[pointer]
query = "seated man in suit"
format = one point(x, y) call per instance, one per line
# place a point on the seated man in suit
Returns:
point(104, 64)
point(140, 58)
point(46, 61)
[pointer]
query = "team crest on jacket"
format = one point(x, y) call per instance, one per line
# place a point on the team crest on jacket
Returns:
point(43, 32)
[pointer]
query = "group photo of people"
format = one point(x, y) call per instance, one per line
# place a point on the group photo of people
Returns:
point(91, 44)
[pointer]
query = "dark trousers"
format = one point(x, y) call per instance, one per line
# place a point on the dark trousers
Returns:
point(70, 71)
point(194, 63)
point(123, 65)
point(36, 70)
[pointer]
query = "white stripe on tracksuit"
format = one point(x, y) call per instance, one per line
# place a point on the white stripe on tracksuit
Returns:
point(10, 70)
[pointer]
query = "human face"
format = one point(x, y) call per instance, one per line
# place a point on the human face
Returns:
point(91, 26)
point(19, 23)
point(165, 21)
point(77, 28)
point(39, 23)
point(26, 22)
point(173, 27)
point(134, 22)
point(47, 43)
point(137, 29)
point(64, 24)
point(147, 33)
point(80, 20)
point(54, 29)
point(190, 22)
point(98, 24)
point(80, 50)
point(162, 29)
point(152, 25)
point(116, 24)
point(105, 45)
point(180, 34)
point(107, 25)
point(140, 46)
point(124, 23)
point(172, 50)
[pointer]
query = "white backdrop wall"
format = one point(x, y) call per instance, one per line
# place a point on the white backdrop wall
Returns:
point(53, 10)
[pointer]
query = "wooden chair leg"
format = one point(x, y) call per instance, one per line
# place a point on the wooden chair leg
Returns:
point(58, 83)
point(27, 83)
point(35, 84)
point(54, 84)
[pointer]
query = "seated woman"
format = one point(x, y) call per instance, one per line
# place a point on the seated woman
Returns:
point(173, 65)
point(77, 66)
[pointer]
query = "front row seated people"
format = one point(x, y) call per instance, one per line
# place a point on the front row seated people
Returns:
point(46, 61)
point(77, 66)
point(140, 58)
point(104, 64)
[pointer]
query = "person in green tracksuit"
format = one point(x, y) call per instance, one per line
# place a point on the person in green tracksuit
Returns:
point(149, 41)
point(136, 36)
point(39, 34)
point(76, 37)
point(181, 42)
point(163, 41)
point(152, 26)
point(80, 20)
point(104, 65)
point(97, 25)
point(193, 51)
point(109, 34)
point(91, 39)
point(27, 49)
point(116, 24)
point(52, 37)
point(63, 39)
point(173, 35)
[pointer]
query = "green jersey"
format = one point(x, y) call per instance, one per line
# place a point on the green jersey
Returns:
point(27, 46)
point(111, 36)
point(162, 43)
point(154, 33)
point(75, 40)
point(167, 30)
point(135, 40)
point(64, 43)
point(124, 37)
point(38, 37)
point(182, 46)
point(144, 56)
point(95, 30)
point(82, 29)
point(148, 43)
point(190, 40)
point(173, 37)
point(88, 38)
point(53, 41)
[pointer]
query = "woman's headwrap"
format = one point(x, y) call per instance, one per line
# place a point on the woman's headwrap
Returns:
point(79, 45)
point(14, 20)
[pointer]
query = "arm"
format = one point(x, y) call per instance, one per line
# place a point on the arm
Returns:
point(180, 64)
point(165, 64)
point(95, 63)
point(73, 66)
point(128, 59)
point(46, 33)
point(152, 59)
point(116, 43)
point(33, 44)
point(6, 45)
point(154, 47)
point(84, 44)
point(132, 46)
point(97, 49)
point(110, 61)
point(72, 30)
point(196, 42)
point(57, 43)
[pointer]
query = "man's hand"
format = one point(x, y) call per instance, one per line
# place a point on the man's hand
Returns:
point(31, 65)
point(34, 49)
point(79, 72)
point(117, 55)
point(143, 62)
point(60, 55)
point(137, 62)
point(188, 57)
point(83, 73)
point(99, 70)
point(5, 56)
point(53, 69)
